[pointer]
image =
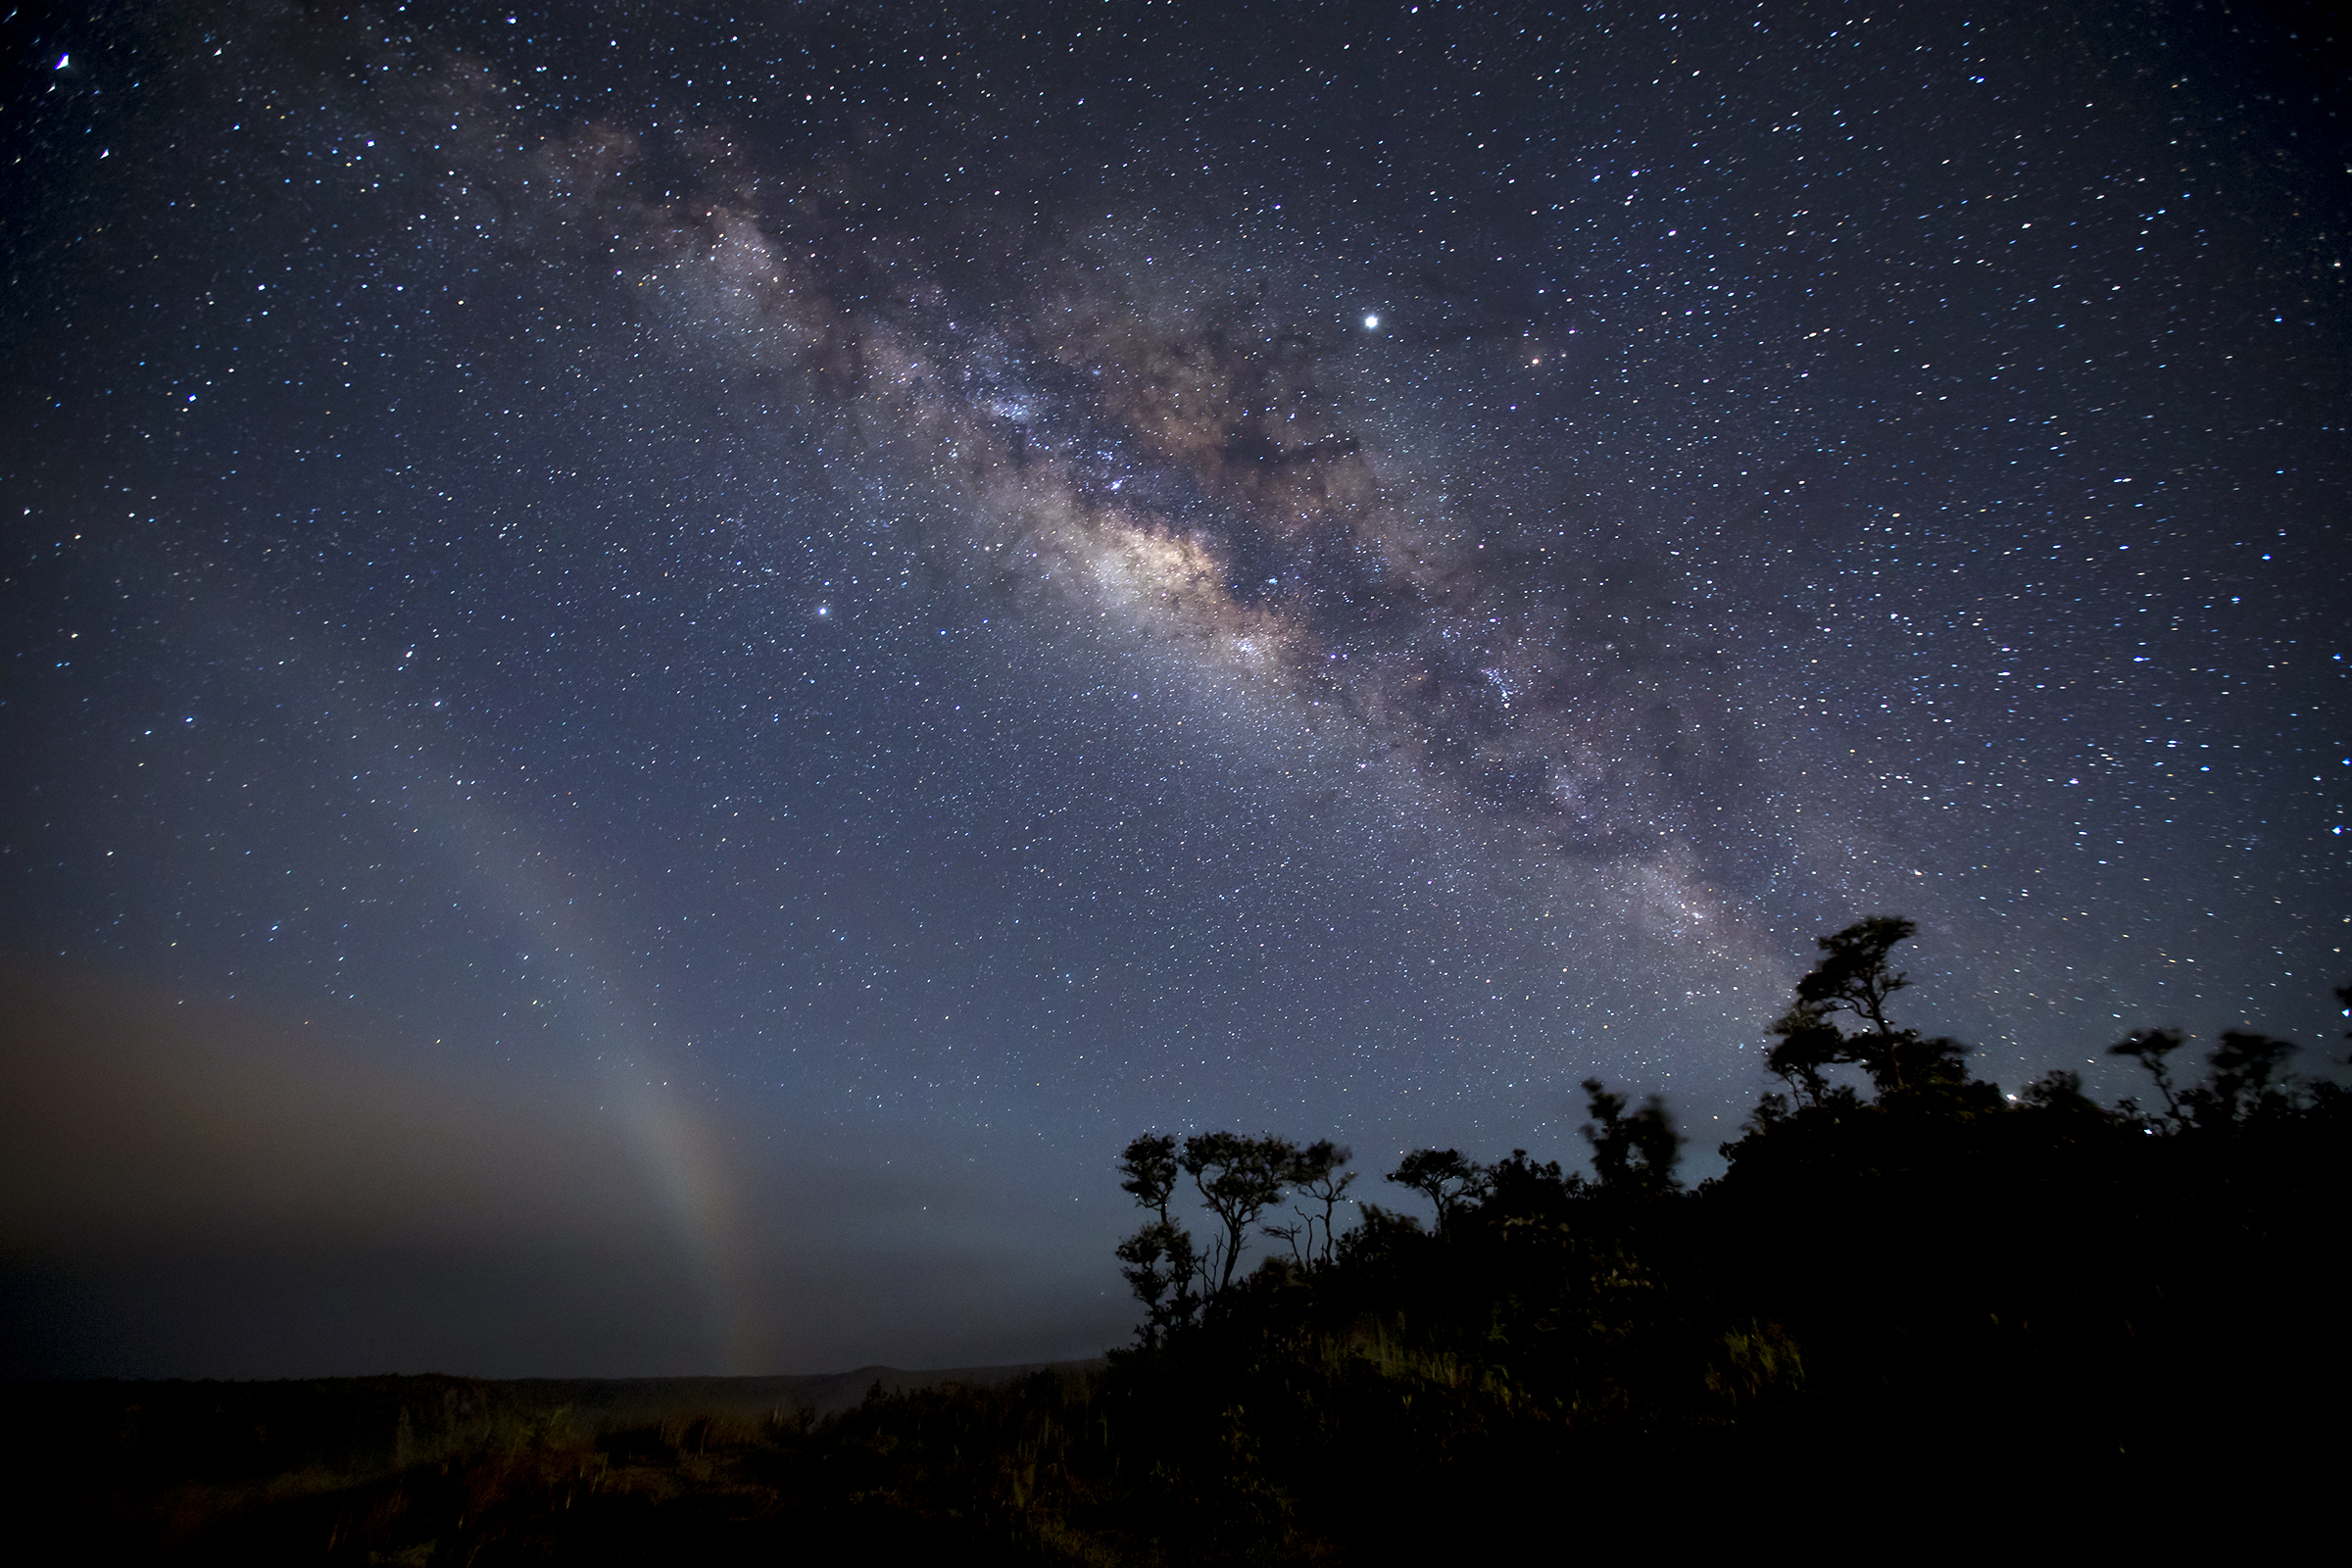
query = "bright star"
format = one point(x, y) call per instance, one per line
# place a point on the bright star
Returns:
point(1371, 321)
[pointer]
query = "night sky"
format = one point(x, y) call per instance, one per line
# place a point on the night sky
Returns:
point(665, 669)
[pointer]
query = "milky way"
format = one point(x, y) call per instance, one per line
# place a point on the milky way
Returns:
point(865, 602)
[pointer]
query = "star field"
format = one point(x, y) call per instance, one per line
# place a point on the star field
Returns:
point(884, 601)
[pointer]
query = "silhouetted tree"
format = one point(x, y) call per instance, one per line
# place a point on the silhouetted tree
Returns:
point(2060, 1092)
point(1379, 1233)
point(1520, 1194)
point(2244, 1081)
point(1631, 1155)
point(1808, 1044)
point(1854, 978)
point(1160, 1261)
point(1318, 1173)
point(2149, 1047)
point(1148, 1173)
point(1444, 1178)
point(1238, 1178)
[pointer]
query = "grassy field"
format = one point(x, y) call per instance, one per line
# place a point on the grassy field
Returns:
point(443, 1469)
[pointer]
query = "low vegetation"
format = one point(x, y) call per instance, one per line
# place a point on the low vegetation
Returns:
point(1909, 1296)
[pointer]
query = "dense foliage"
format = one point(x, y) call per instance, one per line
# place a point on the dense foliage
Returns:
point(1903, 1276)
